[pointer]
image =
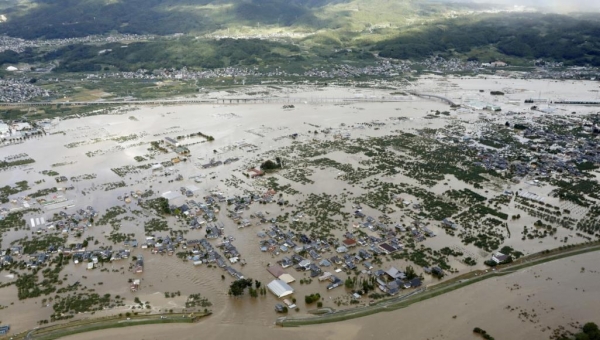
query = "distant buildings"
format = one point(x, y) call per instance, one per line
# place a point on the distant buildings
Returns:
point(477, 105)
point(20, 90)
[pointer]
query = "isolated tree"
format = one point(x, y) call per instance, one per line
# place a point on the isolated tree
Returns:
point(269, 165)
point(237, 287)
point(591, 330)
point(410, 273)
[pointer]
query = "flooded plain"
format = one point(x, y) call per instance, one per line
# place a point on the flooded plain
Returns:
point(87, 149)
point(528, 304)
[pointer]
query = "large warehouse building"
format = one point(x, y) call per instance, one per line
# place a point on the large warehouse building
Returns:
point(280, 288)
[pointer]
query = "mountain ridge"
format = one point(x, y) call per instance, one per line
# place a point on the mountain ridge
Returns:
point(74, 18)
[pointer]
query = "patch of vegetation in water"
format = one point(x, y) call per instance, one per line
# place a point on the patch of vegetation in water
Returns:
point(8, 190)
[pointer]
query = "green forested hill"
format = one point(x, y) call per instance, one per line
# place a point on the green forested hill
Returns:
point(207, 54)
point(71, 18)
point(556, 37)
point(402, 29)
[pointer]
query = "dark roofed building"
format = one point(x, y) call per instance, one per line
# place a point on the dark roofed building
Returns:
point(275, 270)
point(387, 248)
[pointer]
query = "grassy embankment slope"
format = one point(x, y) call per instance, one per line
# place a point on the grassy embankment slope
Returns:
point(87, 325)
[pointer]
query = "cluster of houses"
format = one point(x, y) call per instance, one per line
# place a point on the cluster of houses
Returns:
point(215, 163)
point(203, 252)
point(571, 148)
point(199, 213)
point(16, 90)
point(161, 244)
point(16, 130)
point(308, 255)
point(200, 250)
point(491, 161)
point(391, 281)
point(301, 252)
point(19, 45)
point(77, 252)
point(75, 223)
point(545, 152)
point(418, 230)
point(33, 260)
point(212, 163)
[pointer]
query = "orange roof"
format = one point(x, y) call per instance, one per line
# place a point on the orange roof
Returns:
point(349, 242)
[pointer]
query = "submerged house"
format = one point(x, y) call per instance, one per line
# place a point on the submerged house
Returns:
point(139, 265)
point(280, 288)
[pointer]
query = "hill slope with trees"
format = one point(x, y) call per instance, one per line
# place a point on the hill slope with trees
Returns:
point(532, 36)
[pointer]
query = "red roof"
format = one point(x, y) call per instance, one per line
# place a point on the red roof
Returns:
point(349, 242)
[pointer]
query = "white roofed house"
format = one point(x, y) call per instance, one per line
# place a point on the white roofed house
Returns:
point(21, 126)
point(287, 278)
point(500, 258)
point(394, 273)
point(280, 288)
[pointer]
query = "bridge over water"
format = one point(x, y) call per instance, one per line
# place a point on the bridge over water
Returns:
point(576, 102)
point(433, 97)
point(258, 100)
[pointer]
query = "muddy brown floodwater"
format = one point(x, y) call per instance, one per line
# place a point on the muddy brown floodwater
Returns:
point(549, 295)
point(528, 304)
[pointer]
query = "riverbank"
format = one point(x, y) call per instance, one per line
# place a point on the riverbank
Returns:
point(526, 304)
point(429, 292)
point(97, 324)
point(389, 305)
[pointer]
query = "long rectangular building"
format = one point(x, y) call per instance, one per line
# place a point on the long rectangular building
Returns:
point(171, 141)
point(280, 288)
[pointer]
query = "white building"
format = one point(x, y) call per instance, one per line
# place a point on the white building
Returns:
point(4, 129)
point(280, 288)
point(171, 195)
point(21, 126)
